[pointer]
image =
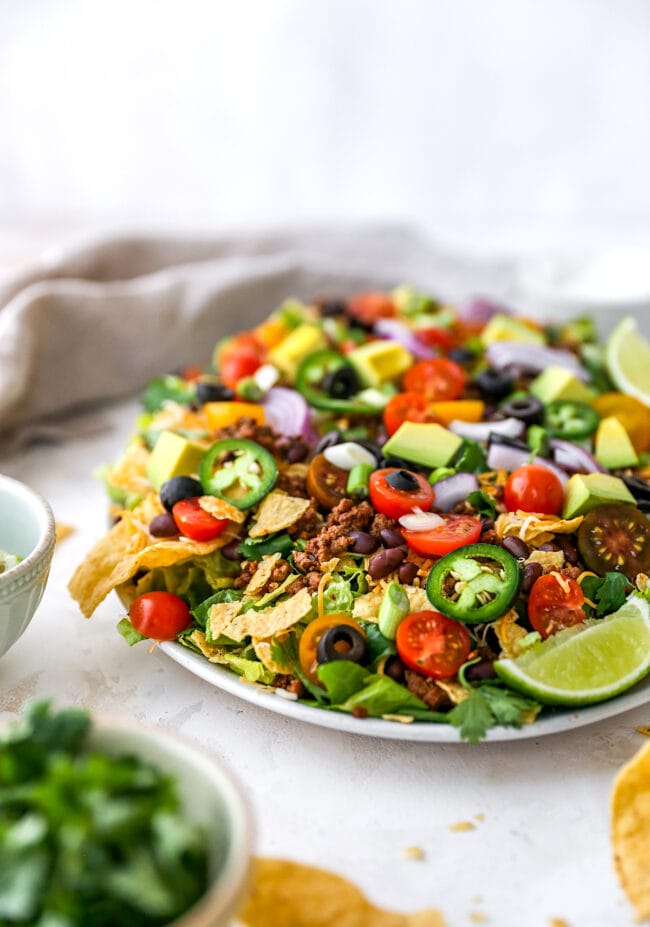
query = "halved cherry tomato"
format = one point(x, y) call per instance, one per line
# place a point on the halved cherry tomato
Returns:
point(325, 482)
point(195, 523)
point(398, 499)
point(435, 337)
point(633, 415)
point(311, 636)
point(407, 407)
point(432, 644)
point(457, 531)
point(533, 488)
point(369, 307)
point(555, 602)
point(159, 615)
point(435, 379)
point(192, 373)
point(240, 357)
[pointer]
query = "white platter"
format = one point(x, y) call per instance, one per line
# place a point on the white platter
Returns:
point(554, 722)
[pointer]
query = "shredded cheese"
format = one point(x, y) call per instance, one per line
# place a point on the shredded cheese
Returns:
point(321, 593)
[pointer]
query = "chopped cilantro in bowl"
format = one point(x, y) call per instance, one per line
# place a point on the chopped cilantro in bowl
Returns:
point(94, 831)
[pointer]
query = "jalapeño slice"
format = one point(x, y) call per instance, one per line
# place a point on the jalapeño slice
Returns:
point(474, 583)
point(570, 420)
point(615, 538)
point(329, 382)
point(239, 472)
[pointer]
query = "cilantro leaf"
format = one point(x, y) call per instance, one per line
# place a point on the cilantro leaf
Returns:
point(487, 706)
point(256, 548)
point(170, 387)
point(472, 717)
point(609, 592)
point(484, 504)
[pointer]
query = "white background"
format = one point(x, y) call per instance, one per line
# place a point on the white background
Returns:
point(508, 124)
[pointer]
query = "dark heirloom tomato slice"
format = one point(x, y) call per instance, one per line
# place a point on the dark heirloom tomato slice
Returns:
point(555, 602)
point(436, 379)
point(432, 644)
point(325, 482)
point(615, 537)
point(395, 492)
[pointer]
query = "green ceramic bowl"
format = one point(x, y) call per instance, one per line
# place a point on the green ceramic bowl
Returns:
point(26, 529)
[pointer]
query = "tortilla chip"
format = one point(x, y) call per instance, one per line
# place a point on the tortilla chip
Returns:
point(366, 607)
point(219, 508)
point(211, 651)
point(268, 621)
point(130, 471)
point(262, 574)
point(174, 416)
point(262, 650)
point(455, 692)
point(127, 548)
point(220, 617)
point(535, 530)
point(549, 560)
point(630, 823)
point(278, 511)
point(509, 634)
point(286, 894)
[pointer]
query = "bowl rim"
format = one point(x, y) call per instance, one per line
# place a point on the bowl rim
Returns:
point(46, 539)
point(224, 893)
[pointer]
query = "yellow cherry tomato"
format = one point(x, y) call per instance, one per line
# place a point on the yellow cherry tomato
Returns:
point(311, 636)
point(633, 415)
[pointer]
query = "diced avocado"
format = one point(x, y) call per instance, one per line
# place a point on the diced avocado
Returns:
point(556, 383)
point(300, 343)
point(584, 491)
point(173, 455)
point(424, 443)
point(612, 447)
point(379, 362)
point(505, 328)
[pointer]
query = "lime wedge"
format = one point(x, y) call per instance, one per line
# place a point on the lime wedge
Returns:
point(587, 663)
point(627, 354)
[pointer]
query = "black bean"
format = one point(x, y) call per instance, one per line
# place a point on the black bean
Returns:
point(364, 542)
point(230, 551)
point(297, 452)
point(568, 547)
point(532, 572)
point(391, 537)
point(163, 526)
point(548, 546)
point(394, 668)
point(385, 561)
point(516, 547)
point(484, 669)
point(407, 571)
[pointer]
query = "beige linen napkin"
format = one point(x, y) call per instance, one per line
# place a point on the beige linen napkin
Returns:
point(96, 321)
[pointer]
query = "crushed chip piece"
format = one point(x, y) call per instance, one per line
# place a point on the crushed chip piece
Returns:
point(455, 692)
point(462, 826)
point(630, 823)
point(413, 853)
point(278, 511)
point(643, 729)
point(63, 531)
point(211, 651)
point(535, 530)
point(558, 922)
point(263, 650)
point(549, 560)
point(479, 917)
point(219, 508)
point(130, 472)
point(509, 634)
point(264, 624)
point(401, 719)
point(262, 574)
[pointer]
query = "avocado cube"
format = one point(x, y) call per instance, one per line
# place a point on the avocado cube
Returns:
point(584, 491)
point(612, 446)
point(173, 455)
point(505, 328)
point(300, 343)
point(424, 443)
point(556, 383)
point(379, 362)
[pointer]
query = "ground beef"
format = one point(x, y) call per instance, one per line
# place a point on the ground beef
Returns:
point(426, 690)
point(309, 581)
point(489, 536)
point(294, 484)
point(309, 524)
point(290, 683)
point(383, 523)
point(249, 430)
point(248, 568)
point(335, 538)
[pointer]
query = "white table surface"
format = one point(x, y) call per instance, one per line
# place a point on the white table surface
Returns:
point(540, 848)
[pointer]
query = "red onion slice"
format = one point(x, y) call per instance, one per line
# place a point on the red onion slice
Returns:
point(394, 330)
point(288, 413)
point(481, 310)
point(481, 431)
point(503, 457)
point(453, 489)
point(573, 458)
point(533, 357)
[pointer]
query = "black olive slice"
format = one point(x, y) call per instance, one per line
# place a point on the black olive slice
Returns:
point(342, 642)
point(403, 480)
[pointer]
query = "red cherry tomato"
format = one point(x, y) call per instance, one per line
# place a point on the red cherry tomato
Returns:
point(240, 357)
point(159, 615)
point(555, 602)
point(457, 531)
point(435, 338)
point(438, 379)
point(433, 644)
point(369, 307)
point(394, 501)
point(406, 407)
point(195, 523)
point(533, 488)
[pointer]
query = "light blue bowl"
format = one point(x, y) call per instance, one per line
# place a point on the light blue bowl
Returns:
point(26, 529)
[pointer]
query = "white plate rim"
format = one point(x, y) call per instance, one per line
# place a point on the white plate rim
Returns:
point(558, 722)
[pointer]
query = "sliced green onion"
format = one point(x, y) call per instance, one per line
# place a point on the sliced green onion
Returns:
point(358, 479)
point(393, 609)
